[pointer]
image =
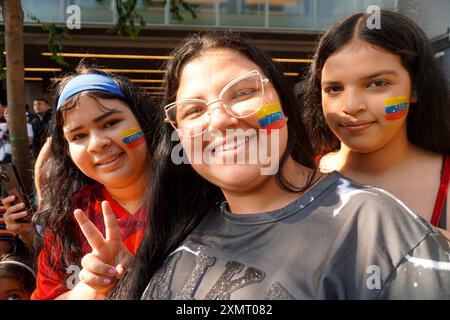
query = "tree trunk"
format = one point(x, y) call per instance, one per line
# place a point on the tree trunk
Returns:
point(13, 17)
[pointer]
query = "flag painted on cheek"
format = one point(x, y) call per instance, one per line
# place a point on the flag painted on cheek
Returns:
point(132, 137)
point(395, 108)
point(270, 116)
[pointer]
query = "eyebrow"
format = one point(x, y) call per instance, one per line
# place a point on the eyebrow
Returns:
point(370, 76)
point(380, 73)
point(98, 119)
point(18, 290)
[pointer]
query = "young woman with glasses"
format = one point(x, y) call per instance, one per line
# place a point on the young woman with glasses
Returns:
point(235, 232)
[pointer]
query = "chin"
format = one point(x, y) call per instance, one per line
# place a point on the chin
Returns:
point(234, 177)
point(363, 148)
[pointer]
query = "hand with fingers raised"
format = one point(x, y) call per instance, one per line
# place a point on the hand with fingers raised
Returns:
point(17, 221)
point(106, 263)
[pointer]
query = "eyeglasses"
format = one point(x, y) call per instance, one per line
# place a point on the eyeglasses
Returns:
point(241, 98)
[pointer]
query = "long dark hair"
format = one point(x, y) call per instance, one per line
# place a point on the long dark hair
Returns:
point(181, 198)
point(63, 177)
point(428, 121)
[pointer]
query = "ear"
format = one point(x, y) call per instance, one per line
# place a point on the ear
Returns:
point(413, 98)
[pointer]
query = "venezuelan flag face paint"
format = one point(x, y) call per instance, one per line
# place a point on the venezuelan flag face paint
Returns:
point(396, 108)
point(270, 116)
point(132, 137)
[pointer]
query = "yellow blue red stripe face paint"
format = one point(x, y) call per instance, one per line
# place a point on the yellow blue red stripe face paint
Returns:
point(132, 137)
point(270, 116)
point(396, 108)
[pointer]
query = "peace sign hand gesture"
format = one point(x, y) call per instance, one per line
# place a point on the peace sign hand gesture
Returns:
point(109, 255)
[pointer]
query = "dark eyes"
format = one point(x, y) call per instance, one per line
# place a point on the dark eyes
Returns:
point(107, 124)
point(78, 137)
point(377, 83)
point(111, 123)
point(333, 89)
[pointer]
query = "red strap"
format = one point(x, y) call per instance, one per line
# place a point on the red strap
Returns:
point(442, 194)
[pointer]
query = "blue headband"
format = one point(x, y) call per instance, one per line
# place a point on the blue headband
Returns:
point(86, 82)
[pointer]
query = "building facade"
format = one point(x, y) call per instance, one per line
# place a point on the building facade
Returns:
point(288, 29)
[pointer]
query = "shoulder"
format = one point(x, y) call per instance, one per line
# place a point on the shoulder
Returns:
point(376, 214)
point(330, 162)
point(352, 195)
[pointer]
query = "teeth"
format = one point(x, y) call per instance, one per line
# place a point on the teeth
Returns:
point(111, 160)
point(231, 145)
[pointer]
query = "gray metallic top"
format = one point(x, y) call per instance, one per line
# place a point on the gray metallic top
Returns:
point(339, 240)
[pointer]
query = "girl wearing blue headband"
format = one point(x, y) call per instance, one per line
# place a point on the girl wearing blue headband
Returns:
point(99, 158)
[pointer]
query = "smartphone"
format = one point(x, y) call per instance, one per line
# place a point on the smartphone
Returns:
point(11, 183)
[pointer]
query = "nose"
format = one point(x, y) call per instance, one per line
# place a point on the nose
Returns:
point(219, 118)
point(98, 142)
point(353, 102)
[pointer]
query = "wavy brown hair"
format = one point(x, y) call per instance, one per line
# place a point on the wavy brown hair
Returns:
point(63, 177)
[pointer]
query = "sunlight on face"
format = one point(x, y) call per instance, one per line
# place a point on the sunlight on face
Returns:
point(204, 77)
point(365, 96)
point(106, 143)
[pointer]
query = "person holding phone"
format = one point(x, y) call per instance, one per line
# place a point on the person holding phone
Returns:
point(17, 216)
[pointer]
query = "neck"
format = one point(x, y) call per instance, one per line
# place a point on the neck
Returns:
point(269, 196)
point(129, 196)
point(395, 153)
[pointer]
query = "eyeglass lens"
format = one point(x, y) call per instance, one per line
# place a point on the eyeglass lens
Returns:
point(242, 99)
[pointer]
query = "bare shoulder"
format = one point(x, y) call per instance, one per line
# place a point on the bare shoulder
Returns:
point(330, 162)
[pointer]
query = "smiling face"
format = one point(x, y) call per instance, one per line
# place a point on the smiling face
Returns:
point(204, 77)
point(105, 141)
point(365, 96)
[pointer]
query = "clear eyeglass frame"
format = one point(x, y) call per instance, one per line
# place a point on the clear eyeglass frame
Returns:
point(170, 106)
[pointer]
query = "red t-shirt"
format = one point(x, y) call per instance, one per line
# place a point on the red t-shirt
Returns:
point(52, 277)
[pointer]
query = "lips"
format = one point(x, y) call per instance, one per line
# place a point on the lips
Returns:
point(220, 145)
point(109, 159)
point(357, 125)
point(231, 145)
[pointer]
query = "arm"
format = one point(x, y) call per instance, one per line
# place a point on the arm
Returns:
point(82, 291)
point(105, 263)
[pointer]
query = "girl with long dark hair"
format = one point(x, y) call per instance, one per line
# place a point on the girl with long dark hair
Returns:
point(378, 109)
point(282, 230)
point(102, 140)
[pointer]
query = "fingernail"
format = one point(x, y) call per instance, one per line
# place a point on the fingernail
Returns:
point(106, 281)
point(112, 271)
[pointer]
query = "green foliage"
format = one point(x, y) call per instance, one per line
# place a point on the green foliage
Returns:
point(128, 15)
point(175, 6)
point(129, 22)
point(55, 36)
